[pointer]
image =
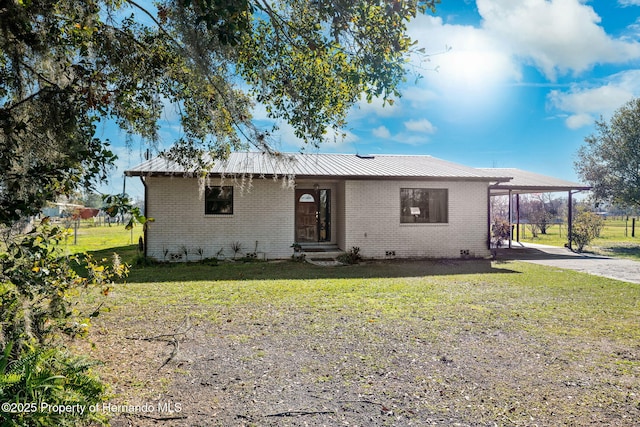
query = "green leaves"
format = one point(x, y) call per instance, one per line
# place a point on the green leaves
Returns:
point(610, 160)
point(34, 383)
point(38, 285)
point(586, 227)
point(121, 205)
point(66, 66)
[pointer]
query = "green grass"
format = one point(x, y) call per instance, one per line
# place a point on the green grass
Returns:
point(519, 332)
point(615, 239)
point(102, 242)
point(98, 238)
point(530, 344)
point(565, 300)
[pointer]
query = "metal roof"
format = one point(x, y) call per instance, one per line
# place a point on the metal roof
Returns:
point(321, 165)
point(529, 182)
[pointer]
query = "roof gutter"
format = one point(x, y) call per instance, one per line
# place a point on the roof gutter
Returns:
point(335, 177)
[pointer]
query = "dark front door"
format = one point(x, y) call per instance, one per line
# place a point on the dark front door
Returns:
point(313, 215)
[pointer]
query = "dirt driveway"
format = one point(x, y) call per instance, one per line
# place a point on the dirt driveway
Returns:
point(613, 268)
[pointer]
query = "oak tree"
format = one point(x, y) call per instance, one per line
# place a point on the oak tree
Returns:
point(67, 66)
point(610, 160)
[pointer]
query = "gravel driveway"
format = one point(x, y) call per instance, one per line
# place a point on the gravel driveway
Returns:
point(614, 268)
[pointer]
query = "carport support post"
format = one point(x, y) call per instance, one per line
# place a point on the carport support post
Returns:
point(510, 219)
point(489, 233)
point(518, 217)
point(570, 219)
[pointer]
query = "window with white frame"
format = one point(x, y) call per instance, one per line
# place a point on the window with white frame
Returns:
point(424, 205)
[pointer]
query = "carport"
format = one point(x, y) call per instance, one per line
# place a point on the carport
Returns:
point(524, 182)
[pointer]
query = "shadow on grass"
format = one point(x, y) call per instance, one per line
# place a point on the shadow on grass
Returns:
point(528, 253)
point(289, 270)
point(128, 254)
point(632, 252)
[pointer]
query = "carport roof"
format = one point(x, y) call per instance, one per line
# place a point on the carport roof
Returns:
point(523, 182)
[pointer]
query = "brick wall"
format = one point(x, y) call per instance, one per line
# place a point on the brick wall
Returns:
point(365, 214)
point(372, 220)
point(263, 212)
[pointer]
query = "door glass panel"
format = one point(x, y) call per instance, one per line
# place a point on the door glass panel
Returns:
point(324, 216)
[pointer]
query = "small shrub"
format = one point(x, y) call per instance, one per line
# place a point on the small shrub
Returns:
point(351, 257)
point(143, 261)
point(499, 232)
point(236, 247)
point(185, 251)
point(38, 288)
point(586, 227)
point(299, 257)
point(52, 377)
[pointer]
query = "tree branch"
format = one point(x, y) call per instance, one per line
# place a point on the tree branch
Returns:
point(38, 76)
point(27, 99)
point(299, 413)
point(201, 65)
point(153, 18)
point(278, 23)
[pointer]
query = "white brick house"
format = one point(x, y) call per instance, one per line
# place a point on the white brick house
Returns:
point(388, 206)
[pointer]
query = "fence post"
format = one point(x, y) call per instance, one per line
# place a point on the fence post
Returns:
point(626, 226)
point(633, 227)
point(570, 220)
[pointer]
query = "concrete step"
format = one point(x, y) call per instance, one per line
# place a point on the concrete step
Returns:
point(321, 251)
point(323, 255)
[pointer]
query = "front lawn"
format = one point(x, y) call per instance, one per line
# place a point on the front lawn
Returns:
point(88, 237)
point(380, 343)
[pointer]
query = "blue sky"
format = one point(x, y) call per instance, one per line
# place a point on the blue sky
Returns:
point(507, 84)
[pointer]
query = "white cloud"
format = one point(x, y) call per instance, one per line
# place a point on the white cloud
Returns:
point(415, 133)
point(599, 100)
point(415, 97)
point(577, 121)
point(557, 36)
point(339, 140)
point(585, 104)
point(381, 132)
point(625, 3)
point(420, 126)
point(468, 71)
point(462, 57)
point(284, 139)
point(377, 107)
point(411, 139)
